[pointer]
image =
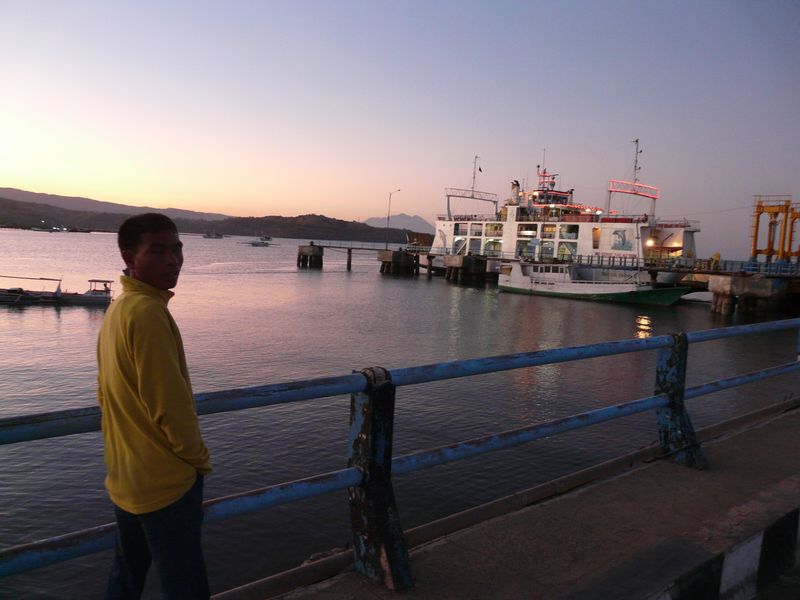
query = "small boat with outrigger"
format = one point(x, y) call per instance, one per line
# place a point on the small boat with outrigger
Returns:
point(98, 294)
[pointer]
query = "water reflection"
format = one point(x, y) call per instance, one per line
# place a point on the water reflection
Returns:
point(644, 327)
point(250, 318)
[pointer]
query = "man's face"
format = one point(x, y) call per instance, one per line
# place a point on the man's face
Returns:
point(157, 261)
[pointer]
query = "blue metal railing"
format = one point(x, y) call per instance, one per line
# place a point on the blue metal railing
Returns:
point(376, 528)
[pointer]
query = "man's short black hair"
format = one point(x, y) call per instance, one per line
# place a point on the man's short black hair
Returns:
point(130, 232)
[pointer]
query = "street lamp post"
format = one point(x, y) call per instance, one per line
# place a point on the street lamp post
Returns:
point(388, 216)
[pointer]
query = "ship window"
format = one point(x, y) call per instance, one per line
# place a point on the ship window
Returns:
point(475, 245)
point(461, 229)
point(493, 248)
point(546, 250)
point(526, 230)
point(567, 250)
point(548, 231)
point(595, 238)
point(569, 232)
point(476, 229)
point(494, 229)
point(525, 248)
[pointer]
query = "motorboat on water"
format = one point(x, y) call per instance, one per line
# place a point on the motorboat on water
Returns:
point(264, 240)
point(565, 280)
point(98, 294)
point(547, 223)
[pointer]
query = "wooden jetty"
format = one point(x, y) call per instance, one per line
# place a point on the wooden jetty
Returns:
point(750, 287)
point(397, 262)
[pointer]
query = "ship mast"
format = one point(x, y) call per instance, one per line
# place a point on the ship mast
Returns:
point(636, 166)
point(470, 193)
point(633, 188)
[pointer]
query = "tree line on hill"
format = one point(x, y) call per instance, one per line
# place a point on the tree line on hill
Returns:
point(27, 215)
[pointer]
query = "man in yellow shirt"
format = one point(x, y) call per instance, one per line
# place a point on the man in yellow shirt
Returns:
point(154, 454)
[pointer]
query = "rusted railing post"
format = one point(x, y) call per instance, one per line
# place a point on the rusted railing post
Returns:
point(379, 548)
point(798, 333)
point(675, 431)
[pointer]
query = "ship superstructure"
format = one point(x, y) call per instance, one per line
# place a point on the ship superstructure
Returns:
point(547, 223)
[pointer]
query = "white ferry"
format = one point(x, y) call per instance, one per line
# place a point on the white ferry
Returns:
point(547, 224)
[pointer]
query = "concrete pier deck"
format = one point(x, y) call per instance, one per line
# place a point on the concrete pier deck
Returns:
point(650, 530)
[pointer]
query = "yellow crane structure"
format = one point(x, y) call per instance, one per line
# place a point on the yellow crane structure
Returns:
point(782, 214)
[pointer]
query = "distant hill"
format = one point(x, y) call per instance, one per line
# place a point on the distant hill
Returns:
point(99, 206)
point(403, 221)
point(26, 215)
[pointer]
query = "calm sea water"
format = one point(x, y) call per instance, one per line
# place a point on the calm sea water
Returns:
point(249, 317)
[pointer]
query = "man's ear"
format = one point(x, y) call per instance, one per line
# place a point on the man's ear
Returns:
point(127, 256)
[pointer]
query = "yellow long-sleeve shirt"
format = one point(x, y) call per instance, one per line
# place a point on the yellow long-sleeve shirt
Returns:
point(153, 448)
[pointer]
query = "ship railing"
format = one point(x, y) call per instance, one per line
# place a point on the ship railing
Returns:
point(419, 249)
point(668, 223)
point(684, 264)
point(494, 253)
point(469, 217)
point(621, 218)
point(353, 245)
point(616, 262)
point(772, 268)
point(379, 548)
point(650, 263)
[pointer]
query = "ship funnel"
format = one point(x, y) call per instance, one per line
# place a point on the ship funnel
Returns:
point(515, 192)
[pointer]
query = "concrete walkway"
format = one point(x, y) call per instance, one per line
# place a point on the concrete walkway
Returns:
point(658, 530)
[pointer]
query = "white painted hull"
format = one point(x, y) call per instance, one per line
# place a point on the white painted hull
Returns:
point(519, 278)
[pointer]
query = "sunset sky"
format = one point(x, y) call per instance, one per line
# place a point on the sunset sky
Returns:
point(288, 108)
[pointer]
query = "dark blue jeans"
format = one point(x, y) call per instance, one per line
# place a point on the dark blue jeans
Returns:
point(169, 537)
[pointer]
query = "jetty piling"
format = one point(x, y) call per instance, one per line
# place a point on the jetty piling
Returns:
point(398, 262)
point(310, 256)
point(465, 268)
point(749, 294)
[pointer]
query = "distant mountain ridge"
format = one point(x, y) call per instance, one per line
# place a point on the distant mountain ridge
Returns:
point(27, 215)
point(403, 221)
point(88, 205)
